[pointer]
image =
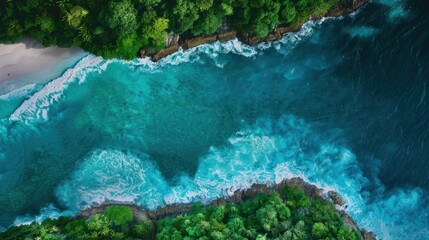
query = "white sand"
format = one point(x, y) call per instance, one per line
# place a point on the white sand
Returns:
point(30, 57)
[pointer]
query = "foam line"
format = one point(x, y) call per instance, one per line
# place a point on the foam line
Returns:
point(38, 105)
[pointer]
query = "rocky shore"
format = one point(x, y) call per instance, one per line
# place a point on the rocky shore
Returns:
point(310, 190)
point(176, 42)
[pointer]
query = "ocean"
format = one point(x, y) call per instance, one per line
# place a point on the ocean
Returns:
point(342, 103)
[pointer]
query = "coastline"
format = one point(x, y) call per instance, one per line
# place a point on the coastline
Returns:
point(176, 42)
point(29, 57)
point(312, 191)
point(239, 195)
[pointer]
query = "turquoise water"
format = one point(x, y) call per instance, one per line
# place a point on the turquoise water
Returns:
point(342, 103)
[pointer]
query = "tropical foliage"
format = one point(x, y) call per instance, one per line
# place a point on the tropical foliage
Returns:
point(119, 28)
point(291, 215)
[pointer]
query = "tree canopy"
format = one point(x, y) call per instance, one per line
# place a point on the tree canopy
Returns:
point(119, 28)
point(291, 215)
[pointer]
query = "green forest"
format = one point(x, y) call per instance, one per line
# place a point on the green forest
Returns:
point(289, 215)
point(120, 28)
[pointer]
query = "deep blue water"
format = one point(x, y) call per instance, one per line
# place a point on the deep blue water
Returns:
point(342, 103)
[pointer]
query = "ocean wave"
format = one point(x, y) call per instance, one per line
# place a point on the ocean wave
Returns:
point(195, 54)
point(265, 152)
point(397, 9)
point(113, 175)
point(398, 215)
point(215, 50)
point(38, 105)
point(268, 151)
point(50, 211)
point(18, 93)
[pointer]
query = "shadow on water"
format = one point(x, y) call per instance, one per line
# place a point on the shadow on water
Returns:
point(365, 88)
point(392, 70)
point(38, 158)
point(170, 118)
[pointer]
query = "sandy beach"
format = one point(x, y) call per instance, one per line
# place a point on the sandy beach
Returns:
point(30, 57)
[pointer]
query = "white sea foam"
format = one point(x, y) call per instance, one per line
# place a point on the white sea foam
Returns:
point(362, 32)
point(38, 105)
point(18, 93)
point(397, 9)
point(266, 152)
point(49, 211)
point(259, 154)
point(218, 48)
point(112, 175)
point(192, 55)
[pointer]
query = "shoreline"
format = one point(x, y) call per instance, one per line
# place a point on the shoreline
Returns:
point(176, 42)
point(29, 58)
point(312, 191)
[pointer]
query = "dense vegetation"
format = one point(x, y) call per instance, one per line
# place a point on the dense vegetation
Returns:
point(291, 215)
point(119, 28)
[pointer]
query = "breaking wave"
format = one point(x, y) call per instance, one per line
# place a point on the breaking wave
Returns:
point(37, 106)
point(266, 151)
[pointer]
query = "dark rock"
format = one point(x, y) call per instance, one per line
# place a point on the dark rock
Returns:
point(172, 39)
point(221, 201)
point(142, 53)
point(239, 195)
point(226, 36)
point(152, 215)
point(218, 202)
point(310, 190)
point(346, 6)
point(273, 36)
point(236, 197)
point(368, 235)
point(348, 221)
point(165, 52)
point(193, 42)
point(250, 40)
point(284, 30)
point(255, 189)
point(336, 198)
